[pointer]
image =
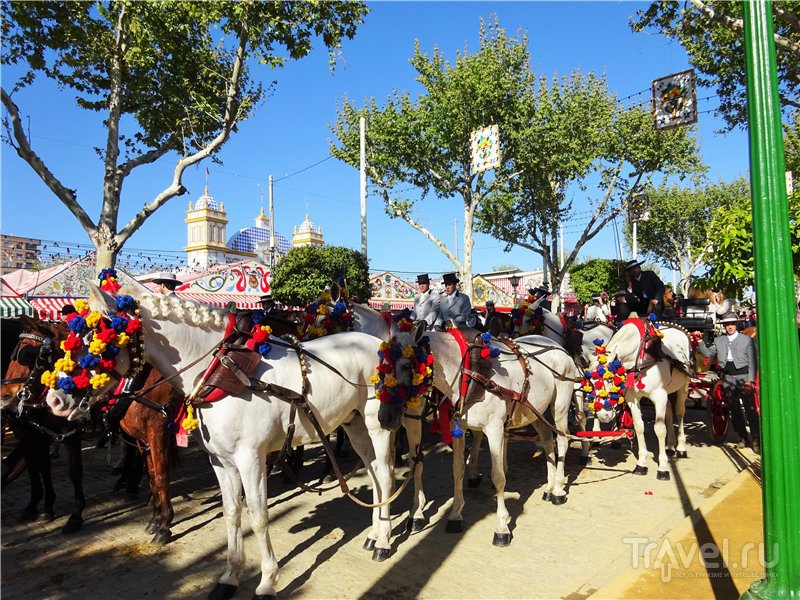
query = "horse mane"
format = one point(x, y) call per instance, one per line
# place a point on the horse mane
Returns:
point(186, 311)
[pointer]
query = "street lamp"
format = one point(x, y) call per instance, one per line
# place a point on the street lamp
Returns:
point(514, 281)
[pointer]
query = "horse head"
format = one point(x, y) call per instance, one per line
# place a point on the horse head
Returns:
point(36, 351)
point(104, 346)
point(403, 375)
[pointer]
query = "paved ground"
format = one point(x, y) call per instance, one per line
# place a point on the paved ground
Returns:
point(567, 551)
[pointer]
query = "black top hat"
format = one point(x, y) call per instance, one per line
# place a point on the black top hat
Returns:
point(490, 303)
point(632, 263)
point(620, 293)
point(596, 298)
point(423, 278)
point(265, 298)
point(67, 309)
point(729, 317)
point(450, 278)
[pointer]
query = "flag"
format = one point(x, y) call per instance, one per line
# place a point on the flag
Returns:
point(674, 100)
point(206, 171)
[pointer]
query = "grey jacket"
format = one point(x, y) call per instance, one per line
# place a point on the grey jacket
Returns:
point(426, 307)
point(743, 352)
point(457, 312)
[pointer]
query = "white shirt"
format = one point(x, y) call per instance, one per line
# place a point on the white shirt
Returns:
point(729, 358)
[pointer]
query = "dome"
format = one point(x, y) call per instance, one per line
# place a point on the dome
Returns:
point(307, 226)
point(246, 240)
point(206, 201)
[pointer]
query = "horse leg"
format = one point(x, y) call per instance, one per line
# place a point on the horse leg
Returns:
point(46, 474)
point(455, 521)
point(661, 402)
point(546, 439)
point(155, 520)
point(252, 467)
point(580, 415)
point(158, 461)
point(72, 446)
point(473, 475)
point(669, 422)
point(561, 421)
point(230, 484)
point(680, 412)
point(638, 428)
point(373, 445)
point(32, 450)
point(416, 521)
point(495, 435)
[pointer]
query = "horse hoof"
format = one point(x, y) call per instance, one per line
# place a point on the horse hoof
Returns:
point(454, 527)
point(263, 596)
point(415, 525)
point(584, 460)
point(45, 517)
point(501, 539)
point(152, 527)
point(222, 591)
point(662, 475)
point(682, 454)
point(474, 482)
point(161, 538)
point(547, 497)
point(670, 452)
point(381, 554)
point(369, 544)
point(640, 470)
point(73, 525)
point(558, 500)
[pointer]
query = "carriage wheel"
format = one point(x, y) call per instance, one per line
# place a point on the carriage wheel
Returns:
point(719, 415)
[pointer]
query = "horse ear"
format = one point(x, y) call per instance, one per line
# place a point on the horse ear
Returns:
point(419, 331)
point(336, 292)
point(101, 301)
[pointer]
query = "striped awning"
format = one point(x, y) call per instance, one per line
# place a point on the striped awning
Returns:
point(221, 300)
point(393, 305)
point(49, 309)
point(12, 307)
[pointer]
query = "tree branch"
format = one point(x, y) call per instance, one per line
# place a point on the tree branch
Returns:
point(68, 197)
point(738, 24)
point(147, 158)
point(787, 17)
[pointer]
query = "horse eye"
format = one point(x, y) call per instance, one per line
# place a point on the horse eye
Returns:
point(27, 356)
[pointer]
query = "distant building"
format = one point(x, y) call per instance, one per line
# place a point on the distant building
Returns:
point(207, 222)
point(20, 252)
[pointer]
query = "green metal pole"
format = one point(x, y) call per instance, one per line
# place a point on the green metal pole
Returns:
point(779, 356)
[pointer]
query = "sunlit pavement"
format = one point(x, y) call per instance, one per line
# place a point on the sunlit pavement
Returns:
point(598, 538)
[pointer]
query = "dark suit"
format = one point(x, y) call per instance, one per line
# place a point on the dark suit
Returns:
point(736, 373)
point(648, 286)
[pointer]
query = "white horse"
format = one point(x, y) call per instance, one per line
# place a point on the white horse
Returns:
point(553, 376)
point(239, 432)
point(653, 377)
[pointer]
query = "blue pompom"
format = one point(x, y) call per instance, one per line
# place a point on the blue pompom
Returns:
point(67, 384)
point(652, 316)
point(258, 316)
point(598, 342)
point(600, 371)
point(494, 352)
point(396, 352)
point(587, 374)
point(486, 337)
point(78, 325)
point(457, 431)
point(125, 303)
point(89, 361)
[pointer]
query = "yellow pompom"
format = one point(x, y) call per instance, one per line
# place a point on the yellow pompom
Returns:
point(408, 352)
point(64, 365)
point(190, 423)
point(97, 346)
point(122, 339)
point(325, 296)
point(413, 402)
point(266, 328)
point(323, 309)
point(390, 380)
point(375, 379)
point(100, 380)
point(418, 378)
point(93, 318)
point(49, 379)
point(602, 359)
point(81, 305)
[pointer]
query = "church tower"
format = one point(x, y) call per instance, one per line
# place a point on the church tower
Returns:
point(206, 233)
point(307, 235)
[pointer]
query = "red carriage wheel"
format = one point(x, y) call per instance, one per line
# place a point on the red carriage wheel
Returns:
point(719, 415)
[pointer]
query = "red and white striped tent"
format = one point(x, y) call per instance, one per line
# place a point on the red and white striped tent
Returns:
point(50, 290)
point(242, 282)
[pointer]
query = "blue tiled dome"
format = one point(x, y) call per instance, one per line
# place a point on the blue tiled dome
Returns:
point(206, 201)
point(245, 240)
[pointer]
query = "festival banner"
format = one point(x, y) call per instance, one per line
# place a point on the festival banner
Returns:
point(674, 100)
point(485, 149)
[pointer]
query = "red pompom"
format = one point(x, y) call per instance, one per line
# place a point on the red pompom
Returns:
point(486, 353)
point(133, 326)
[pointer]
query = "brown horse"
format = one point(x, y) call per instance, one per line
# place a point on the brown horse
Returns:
point(146, 419)
point(35, 427)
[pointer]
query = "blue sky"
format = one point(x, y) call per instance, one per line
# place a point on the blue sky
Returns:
point(290, 133)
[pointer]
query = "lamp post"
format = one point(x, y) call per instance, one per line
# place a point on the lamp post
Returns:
point(514, 281)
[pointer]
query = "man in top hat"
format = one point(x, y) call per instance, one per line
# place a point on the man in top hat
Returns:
point(167, 283)
point(736, 354)
point(267, 303)
point(453, 305)
point(425, 302)
point(645, 290)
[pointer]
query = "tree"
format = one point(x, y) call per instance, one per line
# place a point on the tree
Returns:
point(730, 264)
point(711, 31)
point(675, 233)
point(578, 141)
point(596, 276)
point(170, 77)
point(423, 144)
point(305, 271)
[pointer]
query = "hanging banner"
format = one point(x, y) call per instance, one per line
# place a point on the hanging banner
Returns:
point(674, 100)
point(485, 149)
